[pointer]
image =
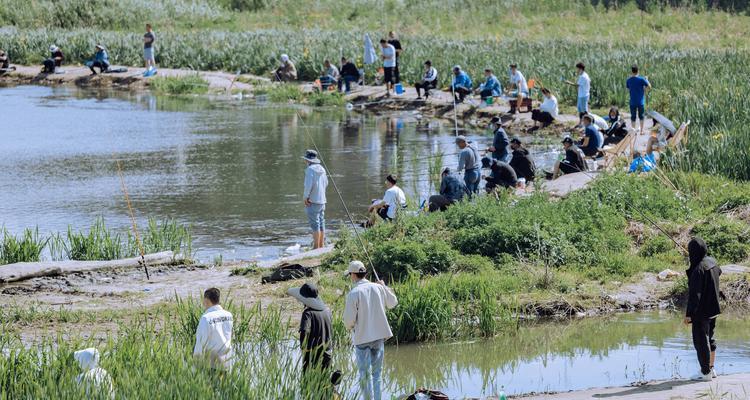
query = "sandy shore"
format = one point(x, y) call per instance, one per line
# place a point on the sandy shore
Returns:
point(729, 387)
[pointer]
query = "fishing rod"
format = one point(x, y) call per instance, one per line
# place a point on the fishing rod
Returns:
point(134, 225)
point(336, 188)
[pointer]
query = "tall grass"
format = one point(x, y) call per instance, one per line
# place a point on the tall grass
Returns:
point(98, 243)
point(26, 248)
point(179, 85)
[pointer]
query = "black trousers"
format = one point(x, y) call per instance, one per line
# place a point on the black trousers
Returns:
point(317, 358)
point(566, 168)
point(703, 340)
point(102, 66)
point(426, 86)
point(461, 93)
point(542, 117)
point(439, 202)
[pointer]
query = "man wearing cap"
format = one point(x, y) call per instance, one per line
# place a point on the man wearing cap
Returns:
point(470, 163)
point(452, 190)
point(314, 197)
point(461, 84)
point(573, 161)
point(521, 161)
point(500, 144)
point(502, 174)
point(286, 72)
point(315, 328)
point(364, 315)
point(101, 60)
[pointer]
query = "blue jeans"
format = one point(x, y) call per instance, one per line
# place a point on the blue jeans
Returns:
point(370, 364)
point(583, 104)
point(316, 217)
point(347, 80)
point(471, 179)
point(639, 109)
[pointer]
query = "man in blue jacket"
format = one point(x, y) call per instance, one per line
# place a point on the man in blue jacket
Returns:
point(491, 86)
point(452, 190)
point(500, 144)
point(461, 84)
point(101, 60)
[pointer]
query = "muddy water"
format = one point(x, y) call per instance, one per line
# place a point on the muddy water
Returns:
point(614, 351)
point(231, 168)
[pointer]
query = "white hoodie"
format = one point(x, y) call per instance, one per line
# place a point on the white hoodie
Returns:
point(364, 313)
point(94, 378)
point(316, 183)
point(214, 337)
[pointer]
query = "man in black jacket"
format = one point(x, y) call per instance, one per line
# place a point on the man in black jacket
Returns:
point(703, 305)
point(347, 74)
point(521, 161)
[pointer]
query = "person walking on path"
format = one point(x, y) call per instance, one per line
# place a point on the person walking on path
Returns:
point(148, 48)
point(638, 86)
point(364, 315)
point(393, 41)
point(316, 182)
point(213, 338)
point(470, 163)
point(703, 305)
point(584, 91)
point(315, 329)
point(389, 65)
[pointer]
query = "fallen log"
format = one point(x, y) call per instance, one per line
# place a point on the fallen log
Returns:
point(27, 270)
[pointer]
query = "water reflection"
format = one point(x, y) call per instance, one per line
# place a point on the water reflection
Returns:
point(229, 167)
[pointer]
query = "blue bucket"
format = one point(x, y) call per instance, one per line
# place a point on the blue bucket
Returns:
point(399, 88)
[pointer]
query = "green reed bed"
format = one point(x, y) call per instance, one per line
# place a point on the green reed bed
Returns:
point(180, 85)
point(98, 243)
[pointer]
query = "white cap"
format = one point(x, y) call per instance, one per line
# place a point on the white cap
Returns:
point(356, 267)
point(284, 58)
point(53, 48)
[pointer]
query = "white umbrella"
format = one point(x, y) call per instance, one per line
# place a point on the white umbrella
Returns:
point(664, 121)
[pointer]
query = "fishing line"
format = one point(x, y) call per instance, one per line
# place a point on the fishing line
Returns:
point(335, 187)
point(132, 216)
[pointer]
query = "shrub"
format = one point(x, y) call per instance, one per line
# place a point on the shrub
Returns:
point(179, 85)
point(656, 244)
point(397, 260)
point(727, 240)
point(472, 263)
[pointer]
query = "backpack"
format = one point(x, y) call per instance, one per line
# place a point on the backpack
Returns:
point(287, 272)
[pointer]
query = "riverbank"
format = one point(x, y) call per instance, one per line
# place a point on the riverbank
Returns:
point(735, 387)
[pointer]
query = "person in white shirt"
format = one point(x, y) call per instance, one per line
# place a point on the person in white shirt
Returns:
point(584, 91)
point(364, 315)
point(316, 182)
point(389, 64)
point(213, 338)
point(547, 111)
point(429, 80)
point(97, 383)
point(392, 201)
point(517, 83)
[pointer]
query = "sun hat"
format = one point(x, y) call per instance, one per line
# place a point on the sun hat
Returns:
point(456, 67)
point(98, 46)
point(460, 139)
point(311, 156)
point(53, 48)
point(307, 294)
point(284, 58)
point(356, 267)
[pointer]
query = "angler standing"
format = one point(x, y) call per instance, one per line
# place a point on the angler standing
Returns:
point(703, 305)
point(316, 182)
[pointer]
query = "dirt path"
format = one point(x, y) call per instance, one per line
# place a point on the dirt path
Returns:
point(729, 387)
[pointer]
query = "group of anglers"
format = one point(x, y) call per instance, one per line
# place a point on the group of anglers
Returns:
point(365, 316)
point(53, 63)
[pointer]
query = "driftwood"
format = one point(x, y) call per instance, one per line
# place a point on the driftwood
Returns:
point(27, 270)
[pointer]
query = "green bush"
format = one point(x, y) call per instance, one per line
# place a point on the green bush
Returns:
point(656, 244)
point(180, 85)
point(727, 240)
point(397, 260)
point(472, 263)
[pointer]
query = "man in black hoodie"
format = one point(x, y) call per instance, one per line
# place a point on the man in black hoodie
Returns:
point(703, 305)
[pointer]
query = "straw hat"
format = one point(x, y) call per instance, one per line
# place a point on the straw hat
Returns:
point(308, 295)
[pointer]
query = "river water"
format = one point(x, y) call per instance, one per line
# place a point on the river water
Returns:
point(231, 168)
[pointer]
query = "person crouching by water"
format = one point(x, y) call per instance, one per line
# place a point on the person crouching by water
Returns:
point(521, 161)
point(452, 190)
point(703, 305)
point(316, 182)
point(502, 176)
point(393, 200)
point(364, 315)
point(573, 161)
point(315, 329)
point(96, 381)
point(100, 60)
point(470, 163)
point(213, 338)
point(286, 72)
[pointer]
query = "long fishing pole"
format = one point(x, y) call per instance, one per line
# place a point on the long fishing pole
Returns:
point(132, 217)
point(336, 188)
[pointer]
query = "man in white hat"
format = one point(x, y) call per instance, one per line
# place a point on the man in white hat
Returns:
point(316, 182)
point(315, 328)
point(364, 315)
point(286, 72)
point(54, 61)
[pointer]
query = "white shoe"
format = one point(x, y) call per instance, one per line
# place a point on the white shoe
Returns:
point(714, 375)
point(700, 377)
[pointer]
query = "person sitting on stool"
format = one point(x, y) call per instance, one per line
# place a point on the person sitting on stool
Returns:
point(429, 80)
